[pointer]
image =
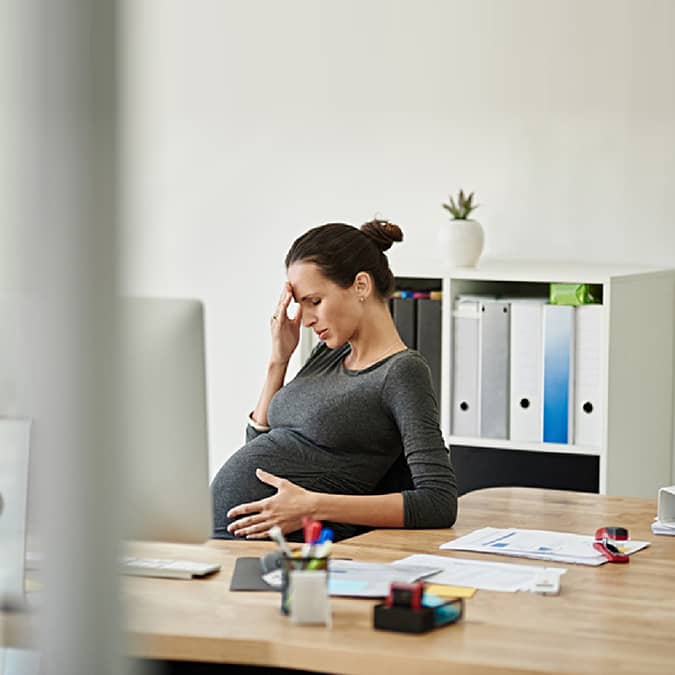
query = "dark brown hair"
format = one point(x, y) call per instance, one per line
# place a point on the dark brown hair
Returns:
point(341, 251)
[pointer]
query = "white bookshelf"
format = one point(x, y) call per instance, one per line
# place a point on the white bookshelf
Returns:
point(635, 455)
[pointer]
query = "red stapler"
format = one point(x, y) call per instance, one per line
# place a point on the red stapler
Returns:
point(605, 542)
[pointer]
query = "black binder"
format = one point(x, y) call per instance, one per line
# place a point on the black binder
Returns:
point(429, 338)
point(403, 310)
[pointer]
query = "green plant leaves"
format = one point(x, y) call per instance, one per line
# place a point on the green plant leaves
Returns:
point(462, 208)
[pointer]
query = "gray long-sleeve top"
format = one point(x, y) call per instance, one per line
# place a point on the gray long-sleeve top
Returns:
point(344, 431)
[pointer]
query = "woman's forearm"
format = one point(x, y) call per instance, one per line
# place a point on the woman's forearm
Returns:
point(371, 510)
point(276, 372)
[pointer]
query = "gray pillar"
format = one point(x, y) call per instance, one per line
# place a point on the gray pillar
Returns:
point(59, 129)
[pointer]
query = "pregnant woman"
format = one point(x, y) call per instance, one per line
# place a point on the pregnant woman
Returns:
point(353, 440)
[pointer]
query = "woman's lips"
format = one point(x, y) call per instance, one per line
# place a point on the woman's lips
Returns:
point(322, 334)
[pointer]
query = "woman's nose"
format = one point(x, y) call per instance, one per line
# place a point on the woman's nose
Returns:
point(308, 319)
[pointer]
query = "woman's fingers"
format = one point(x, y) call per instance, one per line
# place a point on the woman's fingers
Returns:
point(243, 523)
point(298, 315)
point(243, 509)
point(269, 478)
point(258, 524)
point(282, 305)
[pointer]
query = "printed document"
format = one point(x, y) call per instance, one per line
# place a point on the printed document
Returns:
point(489, 576)
point(538, 544)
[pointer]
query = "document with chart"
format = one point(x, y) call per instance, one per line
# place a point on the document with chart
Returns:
point(537, 544)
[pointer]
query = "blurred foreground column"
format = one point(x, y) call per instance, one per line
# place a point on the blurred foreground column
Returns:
point(59, 127)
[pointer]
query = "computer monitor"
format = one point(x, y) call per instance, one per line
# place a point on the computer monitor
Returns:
point(164, 421)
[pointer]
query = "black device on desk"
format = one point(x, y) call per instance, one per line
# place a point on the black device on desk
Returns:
point(408, 610)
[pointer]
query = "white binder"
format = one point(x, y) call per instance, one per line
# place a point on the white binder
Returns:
point(525, 392)
point(465, 325)
point(494, 368)
point(588, 403)
point(558, 372)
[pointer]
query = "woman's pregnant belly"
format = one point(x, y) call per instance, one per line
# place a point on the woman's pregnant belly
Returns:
point(285, 454)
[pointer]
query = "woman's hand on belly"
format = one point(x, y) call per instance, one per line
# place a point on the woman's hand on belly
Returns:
point(286, 509)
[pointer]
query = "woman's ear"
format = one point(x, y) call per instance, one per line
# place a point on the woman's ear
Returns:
point(363, 286)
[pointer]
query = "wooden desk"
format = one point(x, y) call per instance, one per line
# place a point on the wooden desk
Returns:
point(615, 618)
point(611, 619)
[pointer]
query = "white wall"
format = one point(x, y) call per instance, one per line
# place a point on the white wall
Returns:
point(249, 122)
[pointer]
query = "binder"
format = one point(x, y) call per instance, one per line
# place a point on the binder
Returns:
point(493, 365)
point(525, 391)
point(558, 375)
point(403, 311)
point(465, 337)
point(588, 414)
point(429, 338)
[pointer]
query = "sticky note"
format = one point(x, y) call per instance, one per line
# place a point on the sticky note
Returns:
point(444, 591)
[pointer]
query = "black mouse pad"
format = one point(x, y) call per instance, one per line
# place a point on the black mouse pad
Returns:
point(247, 576)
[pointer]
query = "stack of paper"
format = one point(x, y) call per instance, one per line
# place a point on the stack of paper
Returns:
point(489, 576)
point(537, 544)
point(663, 527)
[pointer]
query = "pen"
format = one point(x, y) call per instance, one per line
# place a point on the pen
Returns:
point(326, 535)
point(323, 549)
point(312, 531)
point(324, 543)
point(276, 534)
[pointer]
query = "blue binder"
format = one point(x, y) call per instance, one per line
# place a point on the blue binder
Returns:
point(558, 389)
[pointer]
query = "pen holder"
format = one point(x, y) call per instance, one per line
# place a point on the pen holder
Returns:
point(304, 589)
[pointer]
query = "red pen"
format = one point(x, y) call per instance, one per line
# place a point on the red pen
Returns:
point(312, 532)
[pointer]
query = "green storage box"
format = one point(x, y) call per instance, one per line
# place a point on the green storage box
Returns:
point(575, 294)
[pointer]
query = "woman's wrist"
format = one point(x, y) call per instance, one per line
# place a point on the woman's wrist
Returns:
point(314, 509)
point(276, 364)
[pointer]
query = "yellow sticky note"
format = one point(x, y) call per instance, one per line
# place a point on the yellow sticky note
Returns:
point(444, 591)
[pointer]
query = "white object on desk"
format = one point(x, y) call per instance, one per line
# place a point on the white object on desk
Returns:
point(166, 568)
point(546, 584)
point(665, 514)
point(309, 599)
point(666, 504)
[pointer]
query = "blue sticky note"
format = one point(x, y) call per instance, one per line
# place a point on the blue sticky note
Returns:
point(345, 587)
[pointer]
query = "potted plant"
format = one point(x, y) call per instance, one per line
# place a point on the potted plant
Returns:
point(463, 238)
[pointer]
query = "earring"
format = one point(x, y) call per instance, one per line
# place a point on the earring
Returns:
point(362, 299)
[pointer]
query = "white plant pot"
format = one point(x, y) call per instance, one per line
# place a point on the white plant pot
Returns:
point(461, 242)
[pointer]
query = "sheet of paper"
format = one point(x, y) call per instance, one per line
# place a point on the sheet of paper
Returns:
point(537, 544)
point(372, 580)
point(490, 576)
point(363, 579)
point(661, 527)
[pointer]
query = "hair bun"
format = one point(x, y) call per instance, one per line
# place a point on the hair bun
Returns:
point(382, 233)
